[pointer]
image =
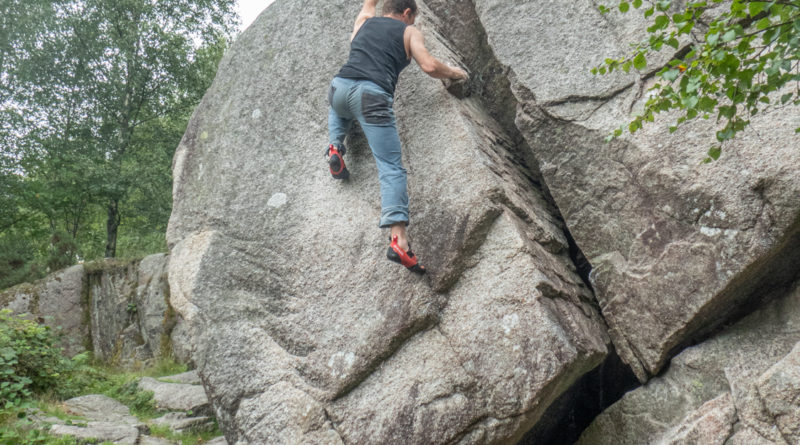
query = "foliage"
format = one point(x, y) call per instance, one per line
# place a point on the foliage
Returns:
point(733, 59)
point(81, 377)
point(94, 98)
point(17, 261)
point(19, 435)
point(30, 362)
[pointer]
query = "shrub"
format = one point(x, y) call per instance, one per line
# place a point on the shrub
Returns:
point(30, 361)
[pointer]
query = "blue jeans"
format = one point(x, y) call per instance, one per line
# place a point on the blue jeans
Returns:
point(371, 106)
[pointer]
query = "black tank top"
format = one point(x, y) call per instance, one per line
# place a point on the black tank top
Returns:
point(377, 53)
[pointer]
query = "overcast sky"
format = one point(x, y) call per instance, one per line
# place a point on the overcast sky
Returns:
point(250, 9)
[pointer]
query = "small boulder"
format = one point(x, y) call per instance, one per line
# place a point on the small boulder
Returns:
point(181, 423)
point(177, 396)
point(104, 431)
point(100, 408)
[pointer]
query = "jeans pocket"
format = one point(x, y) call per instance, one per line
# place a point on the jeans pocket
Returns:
point(331, 92)
point(376, 108)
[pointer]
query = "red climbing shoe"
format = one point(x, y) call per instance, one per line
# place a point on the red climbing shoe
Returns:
point(336, 162)
point(408, 259)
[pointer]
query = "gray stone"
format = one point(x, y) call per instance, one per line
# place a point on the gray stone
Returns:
point(149, 440)
point(180, 422)
point(57, 301)
point(176, 396)
point(779, 390)
point(100, 408)
point(299, 345)
point(113, 307)
point(127, 303)
point(132, 322)
point(152, 296)
point(751, 356)
point(102, 431)
point(677, 247)
point(188, 377)
point(217, 441)
point(711, 424)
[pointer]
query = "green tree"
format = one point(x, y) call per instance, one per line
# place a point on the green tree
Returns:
point(93, 92)
point(731, 58)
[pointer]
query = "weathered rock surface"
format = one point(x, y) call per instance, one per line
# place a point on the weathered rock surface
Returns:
point(100, 408)
point(107, 420)
point(176, 396)
point(118, 310)
point(180, 422)
point(279, 270)
point(102, 431)
point(131, 320)
point(57, 300)
point(677, 247)
point(740, 387)
point(188, 377)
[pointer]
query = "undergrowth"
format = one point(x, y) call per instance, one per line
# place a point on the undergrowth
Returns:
point(36, 378)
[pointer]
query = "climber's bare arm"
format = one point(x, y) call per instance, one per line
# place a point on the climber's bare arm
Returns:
point(367, 12)
point(415, 46)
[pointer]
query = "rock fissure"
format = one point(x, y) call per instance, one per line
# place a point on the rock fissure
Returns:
point(333, 425)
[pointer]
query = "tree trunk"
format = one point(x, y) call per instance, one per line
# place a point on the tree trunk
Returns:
point(112, 224)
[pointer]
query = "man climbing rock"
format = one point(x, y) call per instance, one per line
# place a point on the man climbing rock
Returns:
point(363, 90)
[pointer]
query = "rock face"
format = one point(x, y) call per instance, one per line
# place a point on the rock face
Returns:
point(131, 319)
point(119, 310)
point(676, 246)
point(331, 342)
point(57, 300)
point(740, 387)
point(305, 334)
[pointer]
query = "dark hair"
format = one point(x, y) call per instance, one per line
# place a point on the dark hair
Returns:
point(398, 6)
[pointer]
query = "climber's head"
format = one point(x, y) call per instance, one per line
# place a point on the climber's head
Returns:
point(403, 10)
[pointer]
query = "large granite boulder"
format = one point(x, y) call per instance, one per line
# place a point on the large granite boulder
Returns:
point(279, 270)
point(304, 332)
point(740, 387)
point(676, 246)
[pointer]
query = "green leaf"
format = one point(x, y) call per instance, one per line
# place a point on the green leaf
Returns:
point(661, 22)
point(637, 3)
point(714, 152)
point(712, 38)
point(624, 6)
point(670, 75)
point(648, 12)
point(673, 42)
point(786, 98)
point(763, 23)
point(639, 62)
point(754, 8)
point(728, 36)
point(626, 66)
point(724, 135)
